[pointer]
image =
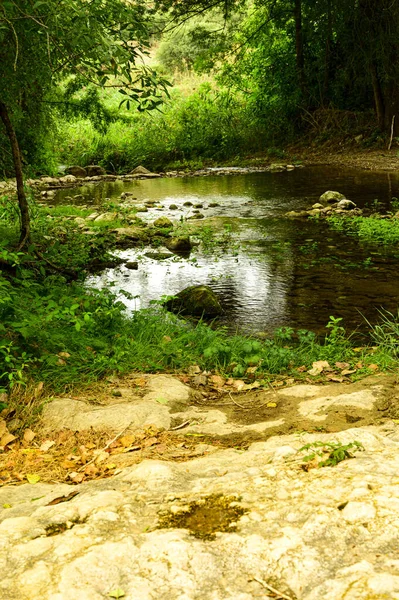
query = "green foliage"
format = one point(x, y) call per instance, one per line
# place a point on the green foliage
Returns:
point(209, 124)
point(373, 229)
point(335, 451)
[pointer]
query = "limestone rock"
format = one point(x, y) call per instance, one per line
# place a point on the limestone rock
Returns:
point(76, 171)
point(346, 205)
point(331, 197)
point(158, 255)
point(196, 300)
point(78, 416)
point(140, 171)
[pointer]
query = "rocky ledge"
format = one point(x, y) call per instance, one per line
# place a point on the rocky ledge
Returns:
point(230, 524)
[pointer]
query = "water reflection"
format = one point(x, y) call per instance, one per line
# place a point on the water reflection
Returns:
point(294, 273)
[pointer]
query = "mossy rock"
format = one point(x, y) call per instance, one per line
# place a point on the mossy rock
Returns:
point(196, 301)
point(331, 197)
point(179, 245)
point(163, 222)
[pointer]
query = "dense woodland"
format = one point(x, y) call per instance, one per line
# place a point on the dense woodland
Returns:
point(260, 74)
point(120, 83)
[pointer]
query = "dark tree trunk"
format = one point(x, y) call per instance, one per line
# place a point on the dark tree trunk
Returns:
point(327, 57)
point(300, 58)
point(378, 97)
point(16, 155)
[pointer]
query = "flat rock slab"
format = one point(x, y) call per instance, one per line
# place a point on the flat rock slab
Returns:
point(78, 416)
point(329, 533)
point(165, 393)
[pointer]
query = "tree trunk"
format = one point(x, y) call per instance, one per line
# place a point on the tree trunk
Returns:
point(300, 58)
point(378, 97)
point(327, 56)
point(16, 155)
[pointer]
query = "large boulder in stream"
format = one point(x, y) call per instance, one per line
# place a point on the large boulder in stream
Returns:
point(331, 197)
point(196, 301)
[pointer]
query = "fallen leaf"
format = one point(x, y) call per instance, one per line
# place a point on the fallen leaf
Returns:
point(334, 378)
point(251, 370)
point(32, 478)
point(348, 371)
point(193, 370)
point(250, 386)
point(29, 435)
point(238, 384)
point(68, 464)
point(101, 456)
point(64, 355)
point(162, 400)
point(342, 365)
point(127, 440)
point(61, 362)
point(7, 439)
point(301, 369)
point(166, 339)
point(7, 506)
point(76, 477)
point(46, 445)
point(110, 466)
point(373, 367)
point(3, 428)
point(150, 442)
point(271, 405)
point(118, 593)
point(140, 381)
point(217, 380)
point(318, 367)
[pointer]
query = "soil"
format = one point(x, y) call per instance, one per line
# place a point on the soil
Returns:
point(369, 160)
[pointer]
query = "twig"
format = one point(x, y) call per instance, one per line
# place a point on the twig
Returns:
point(272, 589)
point(118, 435)
point(180, 426)
point(237, 404)
point(392, 124)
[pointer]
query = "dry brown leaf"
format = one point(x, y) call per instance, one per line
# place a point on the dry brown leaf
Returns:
point(342, 365)
point(140, 381)
point(29, 435)
point(76, 477)
point(348, 371)
point(46, 445)
point(127, 440)
point(150, 442)
point(302, 369)
point(7, 439)
point(68, 464)
point(3, 427)
point(101, 455)
point(318, 367)
point(62, 499)
point(217, 381)
point(64, 355)
point(373, 367)
point(334, 378)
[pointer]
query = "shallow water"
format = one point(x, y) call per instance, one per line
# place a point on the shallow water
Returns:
point(285, 272)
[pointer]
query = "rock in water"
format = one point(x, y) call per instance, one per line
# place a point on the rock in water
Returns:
point(95, 170)
point(163, 222)
point(140, 171)
point(179, 245)
point(197, 301)
point(331, 197)
point(77, 171)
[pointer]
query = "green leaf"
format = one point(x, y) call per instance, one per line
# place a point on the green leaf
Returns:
point(118, 593)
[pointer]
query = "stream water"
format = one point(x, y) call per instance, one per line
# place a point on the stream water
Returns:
point(283, 272)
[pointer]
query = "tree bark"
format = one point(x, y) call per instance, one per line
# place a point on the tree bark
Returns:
point(16, 155)
point(327, 56)
point(378, 97)
point(300, 58)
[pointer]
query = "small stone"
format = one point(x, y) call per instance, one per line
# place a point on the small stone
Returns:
point(358, 511)
point(346, 205)
point(173, 207)
point(116, 393)
point(95, 170)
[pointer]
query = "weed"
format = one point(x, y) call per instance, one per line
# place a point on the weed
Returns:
point(332, 453)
